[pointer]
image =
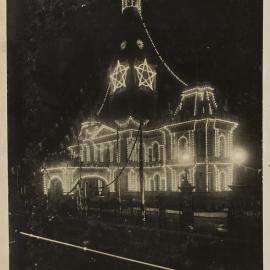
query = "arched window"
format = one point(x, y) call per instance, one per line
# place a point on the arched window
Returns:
point(182, 145)
point(56, 188)
point(150, 156)
point(157, 182)
point(156, 152)
point(85, 154)
point(222, 181)
point(222, 146)
point(88, 153)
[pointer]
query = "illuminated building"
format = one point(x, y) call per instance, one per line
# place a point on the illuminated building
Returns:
point(195, 138)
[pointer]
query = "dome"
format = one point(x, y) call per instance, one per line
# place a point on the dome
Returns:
point(195, 102)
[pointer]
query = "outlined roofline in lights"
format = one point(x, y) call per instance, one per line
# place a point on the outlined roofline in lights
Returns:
point(130, 120)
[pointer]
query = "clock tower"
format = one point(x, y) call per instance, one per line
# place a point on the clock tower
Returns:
point(132, 73)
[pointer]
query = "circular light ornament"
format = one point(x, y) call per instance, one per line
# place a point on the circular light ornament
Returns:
point(140, 44)
point(123, 45)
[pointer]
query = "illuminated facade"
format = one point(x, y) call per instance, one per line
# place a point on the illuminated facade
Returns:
point(195, 138)
point(203, 144)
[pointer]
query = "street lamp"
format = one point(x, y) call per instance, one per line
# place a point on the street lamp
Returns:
point(239, 156)
point(184, 158)
point(239, 196)
point(186, 203)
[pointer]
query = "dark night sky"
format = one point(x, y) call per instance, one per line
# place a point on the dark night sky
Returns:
point(218, 42)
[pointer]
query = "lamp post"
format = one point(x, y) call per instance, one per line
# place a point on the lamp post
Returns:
point(186, 189)
point(118, 166)
point(142, 188)
point(239, 196)
point(239, 156)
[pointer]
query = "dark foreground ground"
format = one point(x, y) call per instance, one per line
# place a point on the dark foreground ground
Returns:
point(165, 245)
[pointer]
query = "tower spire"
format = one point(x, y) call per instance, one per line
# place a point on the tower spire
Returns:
point(132, 4)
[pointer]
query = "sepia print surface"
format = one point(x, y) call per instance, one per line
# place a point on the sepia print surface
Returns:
point(135, 134)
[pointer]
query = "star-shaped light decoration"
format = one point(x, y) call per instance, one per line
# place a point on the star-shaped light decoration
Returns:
point(119, 76)
point(145, 74)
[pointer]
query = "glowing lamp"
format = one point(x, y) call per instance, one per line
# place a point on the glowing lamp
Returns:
point(184, 157)
point(239, 156)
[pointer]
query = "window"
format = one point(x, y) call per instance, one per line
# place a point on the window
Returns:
point(82, 154)
point(56, 189)
point(200, 181)
point(152, 188)
point(157, 182)
point(150, 155)
point(107, 154)
point(222, 146)
point(88, 158)
point(182, 145)
point(133, 181)
point(200, 144)
point(222, 181)
point(85, 154)
point(155, 152)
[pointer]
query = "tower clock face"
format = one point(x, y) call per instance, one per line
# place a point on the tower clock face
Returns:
point(123, 45)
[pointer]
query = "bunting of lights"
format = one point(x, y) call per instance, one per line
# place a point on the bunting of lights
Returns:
point(158, 54)
point(145, 74)
point(119, 76)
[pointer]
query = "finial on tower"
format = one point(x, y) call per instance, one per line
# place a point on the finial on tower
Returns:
point(132, 4)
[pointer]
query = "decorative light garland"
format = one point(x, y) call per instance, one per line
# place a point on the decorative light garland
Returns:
point(119, 76)
point(206, 155)
point(125, 124)
point(145, 75)
point(104, 100)
point(158, 54)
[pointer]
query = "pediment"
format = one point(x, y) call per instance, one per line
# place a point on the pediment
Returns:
point(130, 123)
point(104, 130)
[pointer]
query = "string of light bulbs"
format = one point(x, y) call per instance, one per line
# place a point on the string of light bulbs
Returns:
point(104, 100)
point(158, 54)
